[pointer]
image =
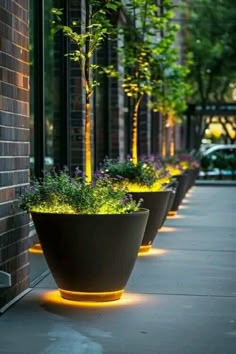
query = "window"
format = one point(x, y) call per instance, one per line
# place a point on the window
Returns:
point(48, 89)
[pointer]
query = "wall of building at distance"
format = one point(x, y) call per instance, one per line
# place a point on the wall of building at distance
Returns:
point(14, 144)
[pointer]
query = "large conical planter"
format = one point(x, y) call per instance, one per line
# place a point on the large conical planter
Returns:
point(183, 181)
point(91, 256)
point(156, 203)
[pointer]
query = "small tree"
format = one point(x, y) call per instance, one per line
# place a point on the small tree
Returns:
point(170, 96)
point(212, 44)
point(88, 35)
point(142, 46)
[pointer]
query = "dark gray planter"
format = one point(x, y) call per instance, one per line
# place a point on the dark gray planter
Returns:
point(91, 256)
point(156, 203)
point(169, 205)
point(181, 189)
point(193, 173)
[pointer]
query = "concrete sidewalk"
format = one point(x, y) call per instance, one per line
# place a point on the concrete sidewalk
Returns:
point(180, 299)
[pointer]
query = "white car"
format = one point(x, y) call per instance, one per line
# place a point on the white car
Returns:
point(211, 152)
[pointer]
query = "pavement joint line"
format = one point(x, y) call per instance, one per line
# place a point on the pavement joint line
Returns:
point(15, 300)
point(199, 250)
point(39, 278)
point(186, 294)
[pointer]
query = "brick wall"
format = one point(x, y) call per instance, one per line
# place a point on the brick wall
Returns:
point(14, 143)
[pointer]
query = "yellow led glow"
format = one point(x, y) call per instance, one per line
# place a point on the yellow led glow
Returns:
point(190, 193)
point(136, 187)
point(128, 299)
point(183, 207)
point(167, 229)
point(153, 252)
point(144, 249)
point(171, 213)
point(91, 296)
point(177, 216)
point(185, 201)
point(173, 170)
point(36, 249)
point(184, 164)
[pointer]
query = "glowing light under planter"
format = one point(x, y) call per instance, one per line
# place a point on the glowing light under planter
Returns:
point(171, 213)
point(144, 248)
point(36, 249)
point(167, 229)
point(153, 252)
point(186, 201)
point(91, 296)
point(181, 207)
point(54, 298)
point(177, 216)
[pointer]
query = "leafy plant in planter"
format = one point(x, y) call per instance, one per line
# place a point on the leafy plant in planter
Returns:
point(141, 177)
point(61, 194)
point(173, 166)
point(143, 180)
point(90, 234)
point(177, 164)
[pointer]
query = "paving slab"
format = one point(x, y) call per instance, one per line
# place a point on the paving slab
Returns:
point(180, 299)
point(141, 323)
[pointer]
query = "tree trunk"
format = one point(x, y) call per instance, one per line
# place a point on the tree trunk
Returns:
point(134, 147)
point(172, 141)
point(87, 142)
point(87, 134)
point(164, 133)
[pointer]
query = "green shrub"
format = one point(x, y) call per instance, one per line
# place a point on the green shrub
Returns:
point(59, 193)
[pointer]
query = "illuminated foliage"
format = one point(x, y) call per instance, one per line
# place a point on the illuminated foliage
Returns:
point(177, 164)
point(61, 194)
point(143, 45)
point(140, 177)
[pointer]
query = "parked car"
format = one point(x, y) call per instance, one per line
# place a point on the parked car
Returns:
point(218, 160)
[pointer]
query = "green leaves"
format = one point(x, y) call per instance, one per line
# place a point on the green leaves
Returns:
point(145, 53)
point(88, 36)
point(143, 173)
point(58, 193)
point(211, 40)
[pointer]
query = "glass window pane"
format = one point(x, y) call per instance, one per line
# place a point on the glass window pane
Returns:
point(53, 82)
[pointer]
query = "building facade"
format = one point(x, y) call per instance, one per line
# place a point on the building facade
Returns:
point(14, 144)
point(42, 119)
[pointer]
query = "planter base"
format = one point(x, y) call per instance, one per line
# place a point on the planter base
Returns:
point(171, 213)
point(94, 297)
point(144, 248)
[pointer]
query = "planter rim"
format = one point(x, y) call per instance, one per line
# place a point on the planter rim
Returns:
point(140, 211)
point(147, 192)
